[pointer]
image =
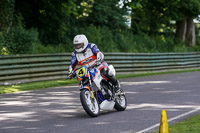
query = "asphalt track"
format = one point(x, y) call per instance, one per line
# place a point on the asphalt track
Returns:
point(58, 110)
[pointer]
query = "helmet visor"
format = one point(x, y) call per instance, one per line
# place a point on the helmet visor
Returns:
point(79, 45)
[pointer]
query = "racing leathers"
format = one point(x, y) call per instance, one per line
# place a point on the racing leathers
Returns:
point(91, 56)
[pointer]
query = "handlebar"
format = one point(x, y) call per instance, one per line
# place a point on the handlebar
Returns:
point(73, 74)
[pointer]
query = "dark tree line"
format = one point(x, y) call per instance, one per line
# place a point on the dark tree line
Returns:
point(58, 20)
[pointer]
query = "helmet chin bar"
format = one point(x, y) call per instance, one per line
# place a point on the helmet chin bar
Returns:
point(81, 50)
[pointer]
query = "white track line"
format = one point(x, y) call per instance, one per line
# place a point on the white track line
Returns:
point(174, 118)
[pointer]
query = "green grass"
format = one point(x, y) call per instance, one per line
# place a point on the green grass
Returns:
point(54, 83)
point(190, 125)
point(35, 85)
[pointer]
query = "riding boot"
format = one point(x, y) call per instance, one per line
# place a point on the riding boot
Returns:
point(115, 83)
point(111, 79)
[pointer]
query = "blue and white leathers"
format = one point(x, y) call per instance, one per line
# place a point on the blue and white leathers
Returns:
point(88, 57)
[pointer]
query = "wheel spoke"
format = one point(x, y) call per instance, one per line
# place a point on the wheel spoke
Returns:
point(92, 104)
point(87, 97)
point(121, 100)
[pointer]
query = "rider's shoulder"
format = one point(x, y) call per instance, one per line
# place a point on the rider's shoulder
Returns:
point(91, 45)
point(74, 53)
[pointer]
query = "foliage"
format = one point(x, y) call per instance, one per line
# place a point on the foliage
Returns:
point(38, 48)
point(148, 16)
point(104, 22)
point(104, 38)
point(53, 19)
point(187, 8)
point(3, 49)
point(20, 40)
point(107, 13)
point(6, 14)
point(151, 15)
point(101, 36)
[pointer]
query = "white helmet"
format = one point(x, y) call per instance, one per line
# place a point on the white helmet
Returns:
point(80, 42)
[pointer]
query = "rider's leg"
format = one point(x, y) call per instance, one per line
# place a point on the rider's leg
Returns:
point(112, 79)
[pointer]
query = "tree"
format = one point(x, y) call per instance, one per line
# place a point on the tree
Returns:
point(6, 14)
point(53, 19)
point(106, 13)
point(148, 16)
point(151, 15)
point(185, 27)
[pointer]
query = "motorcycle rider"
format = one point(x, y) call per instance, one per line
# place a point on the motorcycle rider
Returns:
point(87, 54)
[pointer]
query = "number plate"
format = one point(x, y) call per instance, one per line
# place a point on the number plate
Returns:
point(81, 72)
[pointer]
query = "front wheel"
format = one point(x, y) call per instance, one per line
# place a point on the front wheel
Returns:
point(89, 104)
point(120, 102)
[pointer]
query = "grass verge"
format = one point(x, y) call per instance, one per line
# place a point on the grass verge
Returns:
point(55, 83)
point(35, 85)
point(190, 125)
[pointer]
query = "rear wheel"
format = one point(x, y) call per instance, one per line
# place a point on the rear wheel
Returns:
point(120, 102)
point(89, 104)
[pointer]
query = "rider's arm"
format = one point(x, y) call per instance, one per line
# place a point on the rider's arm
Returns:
point(74, 62)
point(96, 51)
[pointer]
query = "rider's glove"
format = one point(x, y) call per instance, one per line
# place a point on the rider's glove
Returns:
point(98, 63)
point(100, 58)
point(70, 72)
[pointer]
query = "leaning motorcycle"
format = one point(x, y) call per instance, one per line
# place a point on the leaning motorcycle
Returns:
point(103, 96)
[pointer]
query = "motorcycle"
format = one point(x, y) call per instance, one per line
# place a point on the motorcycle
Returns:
point(103, 97)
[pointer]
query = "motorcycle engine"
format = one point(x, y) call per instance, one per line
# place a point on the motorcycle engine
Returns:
point(106, 92)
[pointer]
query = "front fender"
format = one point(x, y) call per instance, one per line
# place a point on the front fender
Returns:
point(88, 88)
point(85, 87)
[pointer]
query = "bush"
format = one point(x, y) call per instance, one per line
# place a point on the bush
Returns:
point(20, 40)
point(121, 42)
point(38, 48)
point(180, 48)
point(3, 49)
point(117, 41)
point(101, 36)
point(144, 43)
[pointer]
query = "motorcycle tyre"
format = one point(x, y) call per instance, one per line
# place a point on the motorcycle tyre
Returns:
point(118, 107)
point(85, 106)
